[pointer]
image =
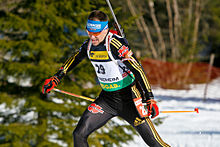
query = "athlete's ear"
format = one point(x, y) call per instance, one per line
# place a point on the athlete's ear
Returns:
point(105, 31)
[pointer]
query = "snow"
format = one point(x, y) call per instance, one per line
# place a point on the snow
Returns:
point(188, 129)
point(178, 129)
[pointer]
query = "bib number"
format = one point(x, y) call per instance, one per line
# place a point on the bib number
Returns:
point(100, 68)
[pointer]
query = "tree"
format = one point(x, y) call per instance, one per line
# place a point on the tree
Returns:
point(174, 28)
point(210, 35)
point(36, 37)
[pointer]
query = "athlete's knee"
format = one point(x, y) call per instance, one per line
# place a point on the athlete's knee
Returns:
point(79, 138)
point(152, 142)
point(149, 134)
point(78, 134)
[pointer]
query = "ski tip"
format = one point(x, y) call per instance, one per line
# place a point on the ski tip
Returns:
point(197, 110)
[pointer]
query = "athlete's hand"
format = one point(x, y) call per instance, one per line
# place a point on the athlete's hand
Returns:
point(49, 84)
point(152, 108)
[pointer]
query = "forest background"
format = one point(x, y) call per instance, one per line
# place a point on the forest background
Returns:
point(37, 36)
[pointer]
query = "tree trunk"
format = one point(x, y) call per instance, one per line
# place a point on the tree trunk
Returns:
point(186, 38)
point(145, 29)
point(177, 26)
point(160, 36)
point(137, 21)
point(171, 35)
point(195, 36)
point(147, 32)
point(196, 26)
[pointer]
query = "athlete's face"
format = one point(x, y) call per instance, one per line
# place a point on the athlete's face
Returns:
point(98, 37)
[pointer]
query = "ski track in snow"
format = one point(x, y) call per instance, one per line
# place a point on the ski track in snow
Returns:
point(188, 129)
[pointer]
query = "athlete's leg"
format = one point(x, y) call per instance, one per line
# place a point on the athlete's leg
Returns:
point(94, 117)
point(144, 126)
point(149, 134)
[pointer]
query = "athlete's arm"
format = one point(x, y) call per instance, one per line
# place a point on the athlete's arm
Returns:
point(52, 82)
point(120, 47)
point(72, 61)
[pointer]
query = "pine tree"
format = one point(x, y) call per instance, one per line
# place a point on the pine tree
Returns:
point(36, 37)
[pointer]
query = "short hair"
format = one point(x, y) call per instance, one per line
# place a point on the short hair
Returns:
point(97, 14)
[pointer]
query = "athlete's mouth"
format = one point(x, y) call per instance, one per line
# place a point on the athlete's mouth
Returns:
point(94, 40)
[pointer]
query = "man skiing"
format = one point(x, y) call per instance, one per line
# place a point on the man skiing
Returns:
point(121, 78)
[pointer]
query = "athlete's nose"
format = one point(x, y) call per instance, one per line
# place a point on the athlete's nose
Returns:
point(92, 36)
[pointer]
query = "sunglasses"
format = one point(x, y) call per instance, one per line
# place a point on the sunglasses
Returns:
point(94, 33)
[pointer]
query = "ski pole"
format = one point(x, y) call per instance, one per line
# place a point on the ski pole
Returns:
point(90, 99)
point(72, 94)
point(195, 110)
point(118, 27)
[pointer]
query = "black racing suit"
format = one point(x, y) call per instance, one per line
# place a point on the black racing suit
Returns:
point(115, 99)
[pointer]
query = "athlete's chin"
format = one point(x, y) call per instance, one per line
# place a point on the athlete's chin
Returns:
point(95, 42)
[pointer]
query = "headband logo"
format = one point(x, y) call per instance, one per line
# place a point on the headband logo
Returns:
point(97, 26)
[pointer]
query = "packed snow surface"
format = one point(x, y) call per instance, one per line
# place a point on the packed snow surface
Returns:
point(178, 129)
point(188, 129)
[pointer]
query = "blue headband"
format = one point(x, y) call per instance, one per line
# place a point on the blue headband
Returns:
point(96, 26)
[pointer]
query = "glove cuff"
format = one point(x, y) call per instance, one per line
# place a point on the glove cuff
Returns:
point(60, 74)
point(148, 96)
point(151, 101)
point(56, 80)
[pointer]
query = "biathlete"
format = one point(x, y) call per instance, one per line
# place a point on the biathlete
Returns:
point(122, 79)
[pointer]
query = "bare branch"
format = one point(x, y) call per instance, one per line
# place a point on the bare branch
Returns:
point(146, 30)
point(171, 35)
point(177, 26)
point(196, 25)
point(160, 36)
point(137, 21)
